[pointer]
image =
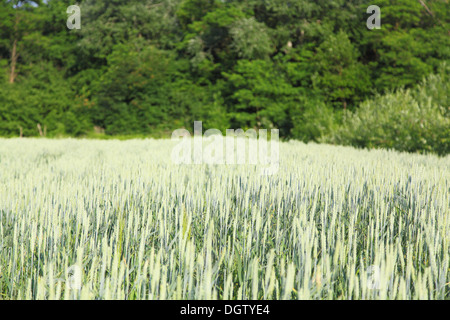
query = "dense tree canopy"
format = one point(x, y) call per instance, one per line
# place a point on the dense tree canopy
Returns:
point(147, 67)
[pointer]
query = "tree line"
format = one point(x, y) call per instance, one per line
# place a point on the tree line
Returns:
point(306, 67)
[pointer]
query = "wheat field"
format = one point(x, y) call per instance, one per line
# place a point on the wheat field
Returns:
point(88, 219)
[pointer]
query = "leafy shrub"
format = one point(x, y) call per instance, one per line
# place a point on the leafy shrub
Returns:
point(42, 98)
point(407, 120)
point(312, 120)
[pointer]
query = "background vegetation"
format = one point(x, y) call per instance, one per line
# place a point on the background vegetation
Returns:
point(308, 67)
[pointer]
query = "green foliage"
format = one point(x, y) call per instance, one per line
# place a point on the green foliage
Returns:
point(49, 102)
point(251, 39)
point(261, 96)
point(146, 91)
point(312, 120)
point(107, 23)
point(146, 67)
point(407, 120)
point(411, 44)
point(338, 69)
point(132, 94)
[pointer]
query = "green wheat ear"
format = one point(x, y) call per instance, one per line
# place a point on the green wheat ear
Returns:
point(185, 225)
point(121, 237)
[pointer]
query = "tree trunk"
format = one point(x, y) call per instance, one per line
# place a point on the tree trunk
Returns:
point(12, 76)
point(14, 55)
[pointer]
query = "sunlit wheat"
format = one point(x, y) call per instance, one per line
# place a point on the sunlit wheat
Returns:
point(140, 227)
